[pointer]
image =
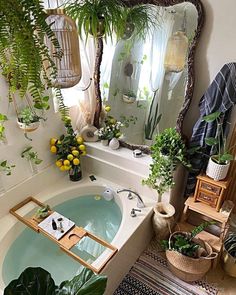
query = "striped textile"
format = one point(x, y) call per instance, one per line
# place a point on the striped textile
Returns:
point(220, 96)
point(150, 276)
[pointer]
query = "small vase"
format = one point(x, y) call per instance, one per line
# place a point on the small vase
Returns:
point(104, 142)
point(88, 133)
point(75, 173)
point(163, 220)
point(114, 144)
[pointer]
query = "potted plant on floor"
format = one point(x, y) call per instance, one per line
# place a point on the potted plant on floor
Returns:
point(37, 281)
point(167, 152)
point(189, 258)
point(219, 162)
point(229, 254)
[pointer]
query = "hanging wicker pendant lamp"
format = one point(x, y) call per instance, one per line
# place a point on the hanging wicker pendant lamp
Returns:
point(69, 66)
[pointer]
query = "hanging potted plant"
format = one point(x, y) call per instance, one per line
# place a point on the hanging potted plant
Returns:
point(219, 161)
point(188, 257)
point(28, 120)
point(167, 152)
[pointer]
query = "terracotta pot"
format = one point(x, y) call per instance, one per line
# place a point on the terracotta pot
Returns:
point(163, 220)
point(217, 171)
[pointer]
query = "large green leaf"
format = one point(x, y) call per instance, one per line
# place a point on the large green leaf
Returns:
point(211, 141)
point(86, 283)
point(32, 281)
point(211, 117)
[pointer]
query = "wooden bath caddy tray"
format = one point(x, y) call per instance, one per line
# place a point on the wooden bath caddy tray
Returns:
point(69, 239)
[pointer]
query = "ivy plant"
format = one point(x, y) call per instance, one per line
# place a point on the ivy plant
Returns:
point(167, 152)
point(5, 167)
point(3, 119)
point(31, 155)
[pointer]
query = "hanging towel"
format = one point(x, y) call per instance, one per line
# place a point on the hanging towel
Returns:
point(220, 96)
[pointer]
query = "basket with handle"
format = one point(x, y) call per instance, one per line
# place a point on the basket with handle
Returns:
point(187, 268)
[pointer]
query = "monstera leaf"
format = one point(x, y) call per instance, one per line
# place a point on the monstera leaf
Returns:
point(37, 281)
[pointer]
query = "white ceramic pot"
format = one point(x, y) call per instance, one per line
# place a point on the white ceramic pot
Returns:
point(28, 128)
point(129, 99)
point(163, 220)
point(217, 171)
point(114, 143)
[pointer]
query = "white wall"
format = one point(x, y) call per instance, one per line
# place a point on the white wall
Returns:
point(216, 47)
point(17, 142)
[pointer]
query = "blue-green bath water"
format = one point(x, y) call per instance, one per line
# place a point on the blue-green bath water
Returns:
point(97, 215)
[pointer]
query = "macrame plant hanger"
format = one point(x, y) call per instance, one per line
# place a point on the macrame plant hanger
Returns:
point(26, 127)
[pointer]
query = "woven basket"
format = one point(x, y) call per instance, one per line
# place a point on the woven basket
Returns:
point(190, 269)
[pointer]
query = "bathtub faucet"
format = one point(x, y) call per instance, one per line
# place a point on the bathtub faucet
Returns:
point(140, 203)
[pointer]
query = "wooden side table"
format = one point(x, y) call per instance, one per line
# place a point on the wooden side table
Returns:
point(211, 192)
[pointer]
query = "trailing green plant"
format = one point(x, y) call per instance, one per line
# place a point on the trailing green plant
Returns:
point(3, 119)
point(5, 167)
point(28, 116)
point(23, 53)
point(183, 242)
point(42, 212)
point(167, 152)
point(218, 143)
point(230, 244)
point(31, 155)
point(37, 281)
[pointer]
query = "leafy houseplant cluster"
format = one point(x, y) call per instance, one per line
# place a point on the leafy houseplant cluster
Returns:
point(184, 243)
point(218, 143)
point(28, 116)
point(3, 119)
point(167, 152)
point(5, 167)
point(68, 149)
point(31, 155)
point(37, 281)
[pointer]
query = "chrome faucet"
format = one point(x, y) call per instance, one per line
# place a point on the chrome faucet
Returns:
point(140, 203)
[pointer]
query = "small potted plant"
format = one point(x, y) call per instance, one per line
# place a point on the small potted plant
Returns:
point(28, 120)
point(68, 149)
point(129, 96)
point(219, 162)
point(42, 213)
point(189, 258)
point(229, 254)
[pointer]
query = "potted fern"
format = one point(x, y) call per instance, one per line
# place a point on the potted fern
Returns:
point(189, 258)
point(219, 162)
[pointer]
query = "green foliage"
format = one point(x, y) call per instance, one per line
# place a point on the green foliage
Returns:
point(126, 121)
point(31, 155)
point(230, 244)
point(103, 17)
point(28, 116)
point(168, 151)
point(37, 281)
point(23, 53)
point(3, 119)
point(5, 167)
point(219, 141)
point(183, 243)
point(42, 212)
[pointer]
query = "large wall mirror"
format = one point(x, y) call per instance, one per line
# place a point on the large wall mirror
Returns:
point(149, 81)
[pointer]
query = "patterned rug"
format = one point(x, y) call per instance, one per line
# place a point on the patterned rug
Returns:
point(150, 276)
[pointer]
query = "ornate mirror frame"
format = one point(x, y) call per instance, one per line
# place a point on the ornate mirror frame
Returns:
point(190, 63)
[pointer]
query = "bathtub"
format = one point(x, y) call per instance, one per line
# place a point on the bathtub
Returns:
point(131, 239)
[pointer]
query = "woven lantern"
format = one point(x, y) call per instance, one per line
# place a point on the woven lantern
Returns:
point(69, 66)
point(176, 51)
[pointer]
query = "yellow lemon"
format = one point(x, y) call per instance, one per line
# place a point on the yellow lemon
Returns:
point(59, 163)
point(83, 153)
point(70, 157)
point(76, 161)
point(107, 108)
point(67, 168)
point(75, 153)
point(62, 168)
point(53, 141)
point(80, 140)
point(58, 142)
point(82, 147)
point(66, 163)
point(53, 149)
